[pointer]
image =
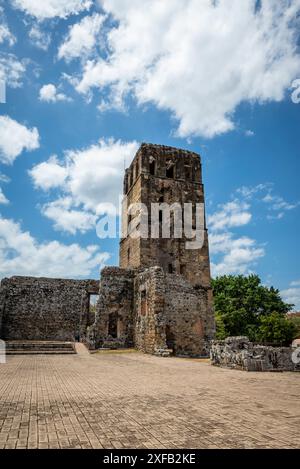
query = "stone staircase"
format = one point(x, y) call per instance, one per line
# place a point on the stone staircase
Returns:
point(33, 347)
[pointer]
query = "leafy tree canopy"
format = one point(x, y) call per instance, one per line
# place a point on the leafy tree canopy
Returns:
point(244, 306)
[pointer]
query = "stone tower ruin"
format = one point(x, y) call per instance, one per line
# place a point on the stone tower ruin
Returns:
point(159, 300)
point(165, 175)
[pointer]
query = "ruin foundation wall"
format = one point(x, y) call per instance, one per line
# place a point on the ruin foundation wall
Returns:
point(44, 309)
point(240, 353)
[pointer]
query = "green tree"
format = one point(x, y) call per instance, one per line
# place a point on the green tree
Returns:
point(276, 329)
point(296, 321)
point(220, 328)
point(240, 304)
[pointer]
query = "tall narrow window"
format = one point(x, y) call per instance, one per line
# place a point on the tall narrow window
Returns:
point(143, 302)
point(136, 169)
point(170, 171)
point(160, 216)
point(170, 269)
point(187, 172)
point(152, 168)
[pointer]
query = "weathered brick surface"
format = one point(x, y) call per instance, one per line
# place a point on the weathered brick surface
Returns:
point(132, 400)
point(184, 186)
point(171, 314)
point(149, 313)
point(170, 311)
point(45, 309)
point(189, 316)
point(154, 311)
point(115, 303)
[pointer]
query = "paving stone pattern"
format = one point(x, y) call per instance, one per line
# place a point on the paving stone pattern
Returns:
point(131, 400)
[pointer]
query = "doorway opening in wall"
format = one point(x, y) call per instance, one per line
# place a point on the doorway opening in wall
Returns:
point(170, 339)
point(113, 325)
point(93, 300)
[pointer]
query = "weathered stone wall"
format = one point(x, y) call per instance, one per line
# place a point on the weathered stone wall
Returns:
point(113, 323)
point(240, 353)
point(147, 181)
point(130, 248)
point(190, 322)
point(45, 309)
point(171, 314)
point(172, 287)
point(149, 311)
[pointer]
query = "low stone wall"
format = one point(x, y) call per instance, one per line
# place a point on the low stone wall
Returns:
point(240, 353)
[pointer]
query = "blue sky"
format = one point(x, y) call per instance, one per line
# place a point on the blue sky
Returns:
point(88, 81)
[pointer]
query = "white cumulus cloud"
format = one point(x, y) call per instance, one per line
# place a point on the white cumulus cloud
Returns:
point(89, 179)
point(198, 59)
point(49, 174)
point(68, 219)
point(43, 9)
point(81, 38)
point(15, 138)
point(50, 94)
point(11, 70)
point(238, 255)
point(3, 199)
point(5, 33)
point(22, 254)
point(39, 37)
point(232, 214)
point(232, 254)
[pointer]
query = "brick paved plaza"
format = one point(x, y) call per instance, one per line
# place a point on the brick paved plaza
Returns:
point(131, 400)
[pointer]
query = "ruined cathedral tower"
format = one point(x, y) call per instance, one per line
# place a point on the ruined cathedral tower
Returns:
point(159, 300)
point(165, 175)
